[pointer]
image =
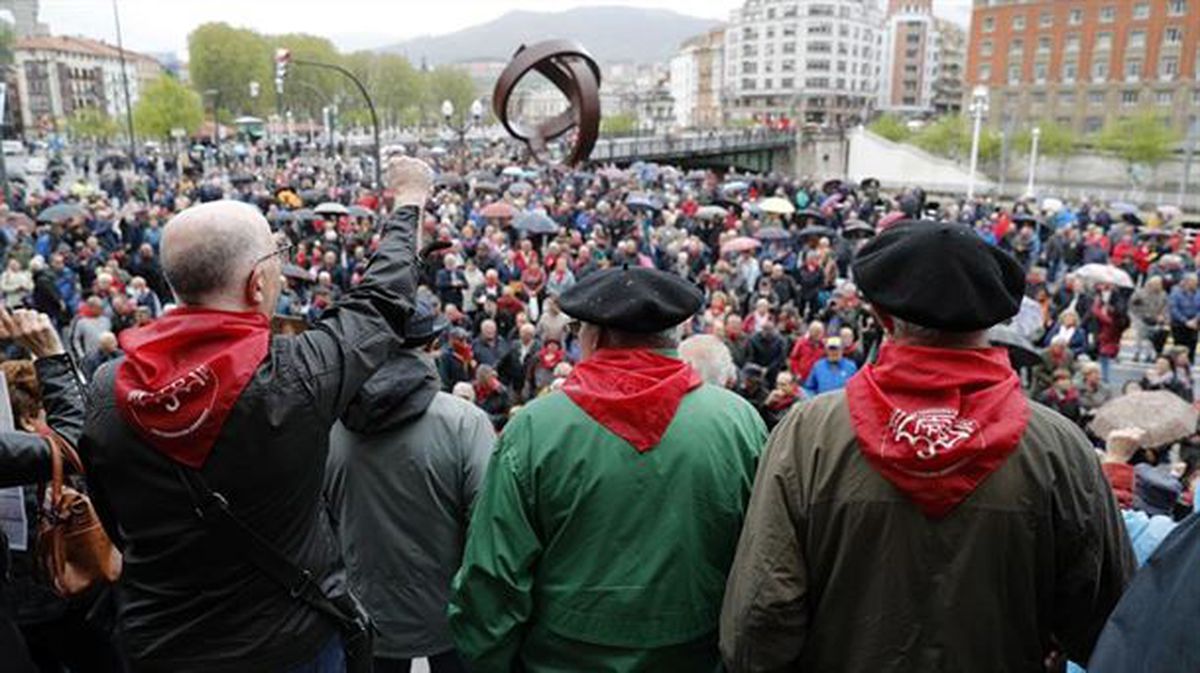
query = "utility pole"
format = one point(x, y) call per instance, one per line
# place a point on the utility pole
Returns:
point(125, 85)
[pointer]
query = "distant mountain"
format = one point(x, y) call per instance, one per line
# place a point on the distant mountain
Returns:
point(610, 33)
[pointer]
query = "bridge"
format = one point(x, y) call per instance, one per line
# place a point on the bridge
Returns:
point(749, 150)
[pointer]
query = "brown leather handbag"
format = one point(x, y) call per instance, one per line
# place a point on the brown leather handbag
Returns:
point(72, 548)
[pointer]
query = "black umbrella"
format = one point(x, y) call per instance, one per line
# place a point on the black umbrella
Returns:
point(448, 180)
point(641, 201)
point(857, 229)
point(811, 214)
point(241, 179)
point(490, 187)
point(536, 223)
point(61, 212)
point(1021, 352)
point(816, 231)
point(1132, 218)
point(773, 234)
point(313, 196)
point(296, 272)
point(359, 211)
point(831, 186)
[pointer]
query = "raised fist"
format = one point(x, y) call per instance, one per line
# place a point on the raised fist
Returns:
point(411, 180)
point(31, 330)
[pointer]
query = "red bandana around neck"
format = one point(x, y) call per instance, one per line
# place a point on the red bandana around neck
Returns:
point(182, 375)
point(633, 393)
point(937, 422)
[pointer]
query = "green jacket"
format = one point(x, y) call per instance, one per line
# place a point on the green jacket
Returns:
point(584, 555)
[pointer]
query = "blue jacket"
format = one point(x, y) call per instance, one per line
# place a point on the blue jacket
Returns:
point(826, 376)
point(1184, 305)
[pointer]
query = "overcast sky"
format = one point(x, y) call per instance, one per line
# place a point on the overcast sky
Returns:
point(163, 25)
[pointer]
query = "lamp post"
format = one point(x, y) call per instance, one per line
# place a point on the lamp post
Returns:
point(125, 84)
point(215, 94)
point(979, 103)
point(1033, 155)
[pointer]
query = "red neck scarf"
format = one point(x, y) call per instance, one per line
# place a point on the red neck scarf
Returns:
point(183, 373)
point(632, 393)
point(551, 357)
point(936, 422)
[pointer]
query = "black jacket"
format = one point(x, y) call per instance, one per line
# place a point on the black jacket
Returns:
point(189, 600)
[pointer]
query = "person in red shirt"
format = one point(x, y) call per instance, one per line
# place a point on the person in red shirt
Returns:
point(808, 350)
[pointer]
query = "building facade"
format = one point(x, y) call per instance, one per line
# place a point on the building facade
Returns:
point(696, 81)
point(811, 61)
point(1083, 63)
point(911, 50)
point(952, 65)
point(57, 76)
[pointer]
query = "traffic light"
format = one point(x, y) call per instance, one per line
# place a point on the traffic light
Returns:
point(283, 57)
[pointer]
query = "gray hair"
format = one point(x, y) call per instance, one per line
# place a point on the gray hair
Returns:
point(711, 359)
point(210, 248)
point(928, 336)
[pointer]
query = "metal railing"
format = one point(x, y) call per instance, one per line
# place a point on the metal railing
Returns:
point(750, 140)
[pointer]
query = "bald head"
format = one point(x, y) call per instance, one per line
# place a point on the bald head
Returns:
point(209, 250)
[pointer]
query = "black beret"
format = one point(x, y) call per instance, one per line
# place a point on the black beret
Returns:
point(632, 300)
point(939, 275)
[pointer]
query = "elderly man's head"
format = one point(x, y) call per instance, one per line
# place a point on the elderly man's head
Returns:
point(710, 357)
point(108, 343)
point(487, 329)
point(221, 255)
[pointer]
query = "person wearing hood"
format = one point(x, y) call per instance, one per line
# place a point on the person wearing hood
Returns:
point(610, 510)
point(209, 417)
point(405, 462)
point(928, 517)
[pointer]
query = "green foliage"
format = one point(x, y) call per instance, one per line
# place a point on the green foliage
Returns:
point(6, 44)
point(623, 124)
point(307, 88)
point(890, 126)
point(398, 89)
point(454, 85)
point(167, 104)
point(950, 137)
point(92, 124)
point(1056, 140)
point(227, 59)
point(1141, 139)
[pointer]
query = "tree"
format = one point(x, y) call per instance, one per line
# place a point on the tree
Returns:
point(950, 137)
point(1055, 140)
point(308, 88)
point(91, 124)
point(397, 88)
point(167, 104)
point(452, 84)
point(622, 124)
point(890, 126)
point(227, 59)
point(6, 44)
point(1142, 139)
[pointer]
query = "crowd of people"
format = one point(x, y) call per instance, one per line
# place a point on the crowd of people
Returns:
point(495, 329)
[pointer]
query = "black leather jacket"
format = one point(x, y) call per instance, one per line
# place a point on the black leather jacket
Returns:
point(188, 601)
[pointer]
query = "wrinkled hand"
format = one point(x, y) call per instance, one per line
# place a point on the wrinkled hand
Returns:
point(411, 180)
point(1122, 443)
point(31, 330)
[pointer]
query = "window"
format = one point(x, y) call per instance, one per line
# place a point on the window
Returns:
point(749, 67)
point(1173, 36)
point(913, 38)
point(1071, 45)
point(1168, 67)
point(989, 24)
point(1016, 46)
point(1196, 97)
point(1093, 124)
point(1045, 20)
point(1096, 97)
point(1103, 42)
point(986, 48)
point(787, 83)
point(1141, 11)
point(1137, 40)
point(1018, 22)
point(1133, 69)
point(985, 72)
point(1108, 14)
point(748, 84)
point(1066, 97)
point(1014, 74)
point(1099, 71)
point(1129, 98)
point(1075, 18)
point(1070, 71)
point(767, 83)
point(1163, 97)
point(1177, 7)
point(1039, 73)
point(1043, 45)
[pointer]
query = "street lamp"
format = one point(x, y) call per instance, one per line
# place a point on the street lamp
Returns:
point(979, 105)
point(216, 96)
point(447, 110)
point(477, 111)
point(1033, 153)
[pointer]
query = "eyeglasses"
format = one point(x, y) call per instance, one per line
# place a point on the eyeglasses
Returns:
point(283, 249)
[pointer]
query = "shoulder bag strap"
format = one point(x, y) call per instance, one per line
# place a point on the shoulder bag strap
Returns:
point(213, 509)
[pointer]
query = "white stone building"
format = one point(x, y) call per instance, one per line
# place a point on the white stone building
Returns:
point(696, 81)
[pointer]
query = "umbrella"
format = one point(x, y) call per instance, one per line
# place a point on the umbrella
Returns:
point(1163, 415)
point(1104, 273)
point(13, 219)
point(642, 201)
point(490, 187)
point(1021, 351)
point(816, 231)
point(1025, 218)
point(513, 172)
point(712, 213)
point(777, 206)
point(331, 208)
point(61, 213)
point(520, 188)
point(735, 186)
point(1169, 212)
point(1052, 205)
point(313, 195)
point(360, 211)
point(740, 244)
point(1155, 233)
point(1123, 207)
point(857, 229)
point(448, 180)
point(1170, 260)
point(304, 215)
point(810, 214)
point(499, 209)
point(537, 222)
point(773, 234)
point(611, 173)
point(296, 272)
point(242, 179)
point(437, 151)
point(1132, 218)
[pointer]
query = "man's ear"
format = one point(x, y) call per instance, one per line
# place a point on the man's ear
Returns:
point(255, 292)
point(885, 320)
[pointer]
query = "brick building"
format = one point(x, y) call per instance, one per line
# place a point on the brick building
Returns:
point(1083, 63)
